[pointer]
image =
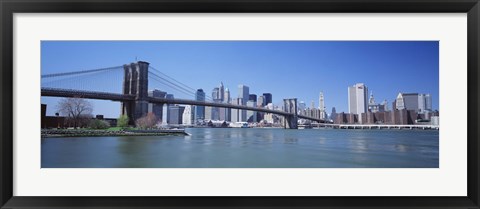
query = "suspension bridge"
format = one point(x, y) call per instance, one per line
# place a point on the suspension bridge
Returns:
point(137, 78)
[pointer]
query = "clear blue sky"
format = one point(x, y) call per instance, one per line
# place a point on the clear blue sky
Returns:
point(287, 69)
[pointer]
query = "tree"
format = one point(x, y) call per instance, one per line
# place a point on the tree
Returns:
point(148, 121)
point(76, 110)
point(122, 121)
point(99, 124)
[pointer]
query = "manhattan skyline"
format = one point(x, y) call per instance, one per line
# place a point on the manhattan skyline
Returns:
point(287, 69)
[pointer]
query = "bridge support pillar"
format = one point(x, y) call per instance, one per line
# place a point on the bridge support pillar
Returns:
point(290, 106)
point(135, 82)
point(291, 122)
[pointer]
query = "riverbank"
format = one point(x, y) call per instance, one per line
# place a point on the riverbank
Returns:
point(52, 133)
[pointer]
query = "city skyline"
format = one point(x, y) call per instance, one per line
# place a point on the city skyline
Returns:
point(420, 63)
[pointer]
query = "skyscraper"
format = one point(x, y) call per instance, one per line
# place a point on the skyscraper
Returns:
point(226, 97)
point(424, 103)
point(407, 101)
point(221, 93)
point(169, 96)
point(252, 97)
point(187, 117)
point(216, 94)
point(302, 106)
point(243, 94)
point(321, 106)
point(175, 114)
point(251, 115)
point(421, 103)
point(156, 109)
point(357, 98)
point(200, 110)
point(236, 113)
point(268, 98)
point(261, 101)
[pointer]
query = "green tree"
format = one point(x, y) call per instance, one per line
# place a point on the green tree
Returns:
point(99, 124)
point(122, 121)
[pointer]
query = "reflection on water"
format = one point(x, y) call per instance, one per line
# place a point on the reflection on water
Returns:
point(249, 148)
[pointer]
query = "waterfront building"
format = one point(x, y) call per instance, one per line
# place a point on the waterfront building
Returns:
point(268, 98)
point(188, 115)
point(200, 110)
point(156, 109)
point(424, 103)
point(176, 113)
point(420, 103)
point(357, 99)
point(408, 101)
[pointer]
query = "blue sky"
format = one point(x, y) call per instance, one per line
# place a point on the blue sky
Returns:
point(287, 69)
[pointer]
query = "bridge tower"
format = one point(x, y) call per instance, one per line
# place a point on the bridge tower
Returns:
point(290, 105)
point(135, 82)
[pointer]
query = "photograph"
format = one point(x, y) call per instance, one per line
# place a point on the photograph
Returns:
point(239, 104)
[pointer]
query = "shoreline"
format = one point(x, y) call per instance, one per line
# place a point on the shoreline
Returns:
point(97, 133)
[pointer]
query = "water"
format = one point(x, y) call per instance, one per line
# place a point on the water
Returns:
point(249, 148)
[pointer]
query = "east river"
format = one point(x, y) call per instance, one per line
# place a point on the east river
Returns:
point(249, 148)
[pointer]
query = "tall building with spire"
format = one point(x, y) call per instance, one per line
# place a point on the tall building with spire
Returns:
point(221, 93)
point(321, 106)
point(227, 111)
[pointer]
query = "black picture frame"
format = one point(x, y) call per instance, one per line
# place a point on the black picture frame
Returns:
point(9, 7)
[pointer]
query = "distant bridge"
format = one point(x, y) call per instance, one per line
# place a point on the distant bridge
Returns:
point(135, 97)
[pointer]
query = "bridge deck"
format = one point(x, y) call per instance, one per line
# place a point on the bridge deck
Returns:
point(53, 92)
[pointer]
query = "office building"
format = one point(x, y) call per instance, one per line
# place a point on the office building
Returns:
point(357, 98)
point(188, 115)
point(252, 97)
point(321, 106)
point(168, 96)
point(176, 113)
point(420, 103)
point(156, 109)
point(268, 98)
point(200, 110)
point(236, 113)
point(251, 115)
point(261, 101)
point(243, 93)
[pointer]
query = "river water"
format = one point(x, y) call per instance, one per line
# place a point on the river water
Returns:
point(249, 148)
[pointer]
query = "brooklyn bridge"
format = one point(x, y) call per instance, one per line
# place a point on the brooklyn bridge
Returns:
point(136, 79)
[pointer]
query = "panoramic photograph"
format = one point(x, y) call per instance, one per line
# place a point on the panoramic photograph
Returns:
point(240, 104)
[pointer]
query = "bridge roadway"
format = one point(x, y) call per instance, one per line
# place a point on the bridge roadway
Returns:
point(55, 92)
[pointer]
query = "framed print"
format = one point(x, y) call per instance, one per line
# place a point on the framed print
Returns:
point(239, 104)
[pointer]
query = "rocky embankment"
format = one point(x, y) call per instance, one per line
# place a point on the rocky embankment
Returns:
point(47, 133)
